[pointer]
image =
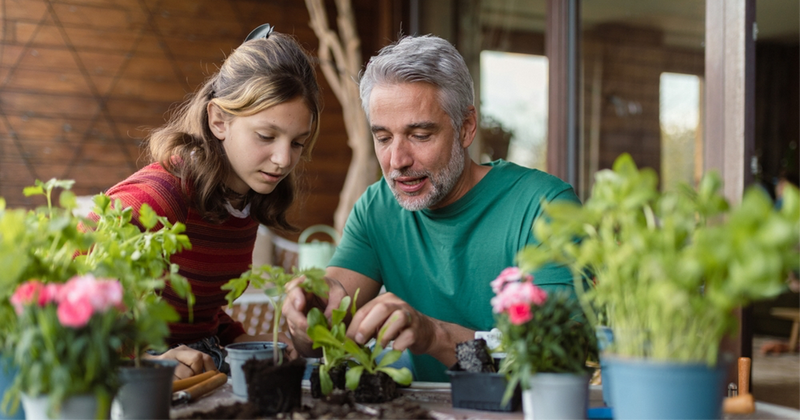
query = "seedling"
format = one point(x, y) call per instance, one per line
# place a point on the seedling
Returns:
point(273, 281)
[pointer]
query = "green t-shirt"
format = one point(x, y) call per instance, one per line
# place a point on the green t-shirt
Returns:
point(442, 261)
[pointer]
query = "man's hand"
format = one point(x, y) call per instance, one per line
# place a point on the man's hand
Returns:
point(190, 361)
point(297, 304)
point(408, 328)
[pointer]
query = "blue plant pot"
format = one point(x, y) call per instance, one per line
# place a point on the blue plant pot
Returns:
point(648, 389)
point(7, 373)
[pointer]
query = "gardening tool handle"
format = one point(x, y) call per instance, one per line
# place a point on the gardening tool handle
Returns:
point(182, 384)
point(740, 404)
point(198, 390)
point(744, 375)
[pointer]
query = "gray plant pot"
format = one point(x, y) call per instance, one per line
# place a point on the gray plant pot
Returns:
point(239, 353)
point(556, 396)
point(146, 392)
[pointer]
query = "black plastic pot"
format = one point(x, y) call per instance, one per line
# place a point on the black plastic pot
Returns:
point(146, 391)
point(481, 391)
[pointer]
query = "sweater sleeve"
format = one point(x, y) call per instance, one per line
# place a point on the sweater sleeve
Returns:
point(228, 328)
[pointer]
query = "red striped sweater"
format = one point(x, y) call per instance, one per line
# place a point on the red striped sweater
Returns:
point(219, 253)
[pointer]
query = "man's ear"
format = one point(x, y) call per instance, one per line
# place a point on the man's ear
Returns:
point(469, 128)
point(217, 122)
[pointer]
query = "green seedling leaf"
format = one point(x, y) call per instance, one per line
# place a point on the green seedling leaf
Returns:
point(353, 377)
point(402, 376)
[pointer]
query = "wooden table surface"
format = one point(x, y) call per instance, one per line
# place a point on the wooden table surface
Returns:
point(437, 400)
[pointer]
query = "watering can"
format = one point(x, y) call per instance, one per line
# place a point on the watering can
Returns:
point(316, 253)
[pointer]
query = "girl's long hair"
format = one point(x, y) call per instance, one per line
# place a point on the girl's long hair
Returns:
point(259, 74)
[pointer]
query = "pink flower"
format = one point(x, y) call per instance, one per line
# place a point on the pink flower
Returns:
point(101, 294)
point(83, 296)
point(509, 275)
point(519, 313)
point(518, 293)
point(74, 313)
point(49, 293)
point(33, 291)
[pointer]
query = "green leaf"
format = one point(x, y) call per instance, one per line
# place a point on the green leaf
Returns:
point(338, 315)
point(325, 382)
point(322, 337)
point(390, 357)
point(353, 377)
point(402, 376)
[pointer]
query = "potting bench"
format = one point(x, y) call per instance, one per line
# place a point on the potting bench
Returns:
point(436, 397)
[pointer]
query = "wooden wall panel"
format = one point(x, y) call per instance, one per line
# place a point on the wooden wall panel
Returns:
point(83, 81)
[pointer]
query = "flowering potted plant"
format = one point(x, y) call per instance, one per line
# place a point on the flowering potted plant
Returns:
point(670, 269)
point(68, 338)
point(39, 245)
point(51, 244)
point(547, 344)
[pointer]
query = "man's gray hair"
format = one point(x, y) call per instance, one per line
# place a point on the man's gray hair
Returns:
point(427, 59)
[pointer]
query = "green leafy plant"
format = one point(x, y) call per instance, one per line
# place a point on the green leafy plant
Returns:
point(273, 281)
point(331, 338)
point(540, 332)
point(365, 359)
point(140, 259)
point(51, 245)
point(669, 268)
point(37, 244)
point(338, 348)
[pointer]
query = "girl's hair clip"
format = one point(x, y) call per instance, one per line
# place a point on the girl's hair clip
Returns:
point(262, 31)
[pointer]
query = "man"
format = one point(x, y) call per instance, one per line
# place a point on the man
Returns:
point(438, 227)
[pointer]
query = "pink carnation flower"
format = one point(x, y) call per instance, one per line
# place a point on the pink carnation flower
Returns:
point(83, 296)
point(75, 313)
point(33, 291)
point(519, 313)
point(518, 293)
point(509, 275)
point(101, 294)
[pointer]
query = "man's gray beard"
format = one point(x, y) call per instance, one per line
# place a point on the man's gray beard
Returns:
point(441, 185)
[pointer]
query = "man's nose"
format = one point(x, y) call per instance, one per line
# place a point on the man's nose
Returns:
point(401, 156)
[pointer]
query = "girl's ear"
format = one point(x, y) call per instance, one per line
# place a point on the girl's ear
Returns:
point(217, 122)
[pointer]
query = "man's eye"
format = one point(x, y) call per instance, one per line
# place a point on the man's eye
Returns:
point(382, 139)
point(421, 136)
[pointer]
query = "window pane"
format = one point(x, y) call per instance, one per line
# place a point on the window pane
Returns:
point(679, 107)
point(514, 107)
point(626, 47)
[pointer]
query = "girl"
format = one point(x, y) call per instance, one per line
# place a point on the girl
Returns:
point(222, 164)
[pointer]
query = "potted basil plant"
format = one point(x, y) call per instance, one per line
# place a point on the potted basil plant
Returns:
point(669, 268)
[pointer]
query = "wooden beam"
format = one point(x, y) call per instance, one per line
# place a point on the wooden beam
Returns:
point(562, 48)
point(730, 120)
